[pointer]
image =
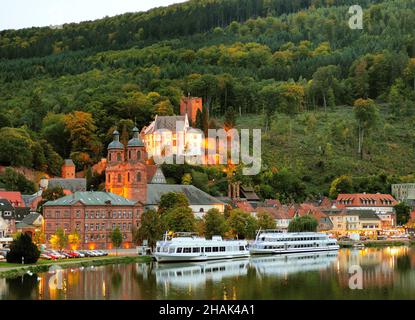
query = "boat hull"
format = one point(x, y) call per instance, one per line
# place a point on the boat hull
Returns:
point(292, 250)
point(166, 257)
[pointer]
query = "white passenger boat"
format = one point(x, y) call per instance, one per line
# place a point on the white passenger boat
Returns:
point(187, 247)
point(277, 242)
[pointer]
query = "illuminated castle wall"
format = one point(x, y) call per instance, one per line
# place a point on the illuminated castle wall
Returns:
point(126, 171)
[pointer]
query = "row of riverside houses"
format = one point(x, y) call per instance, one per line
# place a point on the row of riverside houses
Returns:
point(368, 214)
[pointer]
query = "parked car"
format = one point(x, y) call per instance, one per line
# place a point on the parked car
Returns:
point(55, 254)
point(79, 253)
point(73, 254)
point(103, 253)
point(46, 256)
point(49, 255)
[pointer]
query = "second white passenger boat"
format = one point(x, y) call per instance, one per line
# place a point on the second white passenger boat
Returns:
point(277, 242)
point(186, 247)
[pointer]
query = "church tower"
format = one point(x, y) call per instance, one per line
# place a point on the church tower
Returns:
point(115, 175)
point(136, 169)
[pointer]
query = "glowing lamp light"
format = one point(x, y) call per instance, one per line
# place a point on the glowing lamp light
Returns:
point(92, 246)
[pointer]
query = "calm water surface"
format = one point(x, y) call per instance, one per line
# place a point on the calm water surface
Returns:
point(388, 273)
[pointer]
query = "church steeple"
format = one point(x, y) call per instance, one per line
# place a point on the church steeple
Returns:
point(135, 147)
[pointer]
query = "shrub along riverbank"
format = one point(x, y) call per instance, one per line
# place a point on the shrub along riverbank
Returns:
point(10, 270)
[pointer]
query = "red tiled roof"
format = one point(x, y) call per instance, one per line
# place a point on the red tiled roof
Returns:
point(14, 197)
point(357, 200)
point(281, 212)
point(244, 205)
point(272, 203)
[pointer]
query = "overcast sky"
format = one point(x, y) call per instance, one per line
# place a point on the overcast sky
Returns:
point(17, 14)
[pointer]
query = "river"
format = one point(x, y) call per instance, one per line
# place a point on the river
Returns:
point(383, 273)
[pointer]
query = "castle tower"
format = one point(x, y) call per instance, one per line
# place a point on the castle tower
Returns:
point(115, 174)
point(68, 169)
point(190, 106)
point(136, 169)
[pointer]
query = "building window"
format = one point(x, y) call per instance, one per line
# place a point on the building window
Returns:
point(119, 178)
point(138, 155)
point(78, 214)
point(118, 156)
point(129, 154)
point(138, 176)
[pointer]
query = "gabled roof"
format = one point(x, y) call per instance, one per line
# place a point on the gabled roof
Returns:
point(278, 213)
point(91, 198)
point(73, 185)
point(166, 123)
point(21, 213)
point(31, 218)
point(158, 177)
point(244, 205)
point(5, 205)
point(193, 194)
point(249, 193)
point(14, 197)
point(359, 199)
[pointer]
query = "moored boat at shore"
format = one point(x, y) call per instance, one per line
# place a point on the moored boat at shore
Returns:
point(188, 247)
point(277, 242)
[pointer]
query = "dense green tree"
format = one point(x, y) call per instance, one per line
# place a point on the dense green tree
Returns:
point(151, 228)
point(215, 223)
point(179, 219)
point(172, 200)
point(15, 146)
point(15, 181)
point(23, 250)
point(242, 224)
point(305, 223)
point(403, 213)
point(265, 220)
point(342, 184)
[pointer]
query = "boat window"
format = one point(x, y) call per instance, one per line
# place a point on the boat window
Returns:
point(222, 249)
point(179, 250)
point(241, 248)
point(202, 249)
point(171, 250)
point(215, 249)
point(196, 250)
point(158, 249)
point(208, 249)
point(187, 250)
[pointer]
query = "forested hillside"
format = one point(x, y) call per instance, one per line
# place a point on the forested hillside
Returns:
point(331, 101)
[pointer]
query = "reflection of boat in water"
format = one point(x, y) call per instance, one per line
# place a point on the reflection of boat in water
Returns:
point(186, 247)
point(293, 263)
point(358, 245)
point(277, 242)
point(184, 274)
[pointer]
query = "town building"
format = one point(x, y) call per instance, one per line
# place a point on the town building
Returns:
point(362, 221)
point(190, 106)
point(68, 180)
point(14, 197)
point(404, 192)
point(31, 224)
point(199, 201)
point(12, 215)
point(381, 204)
point(94, 215)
